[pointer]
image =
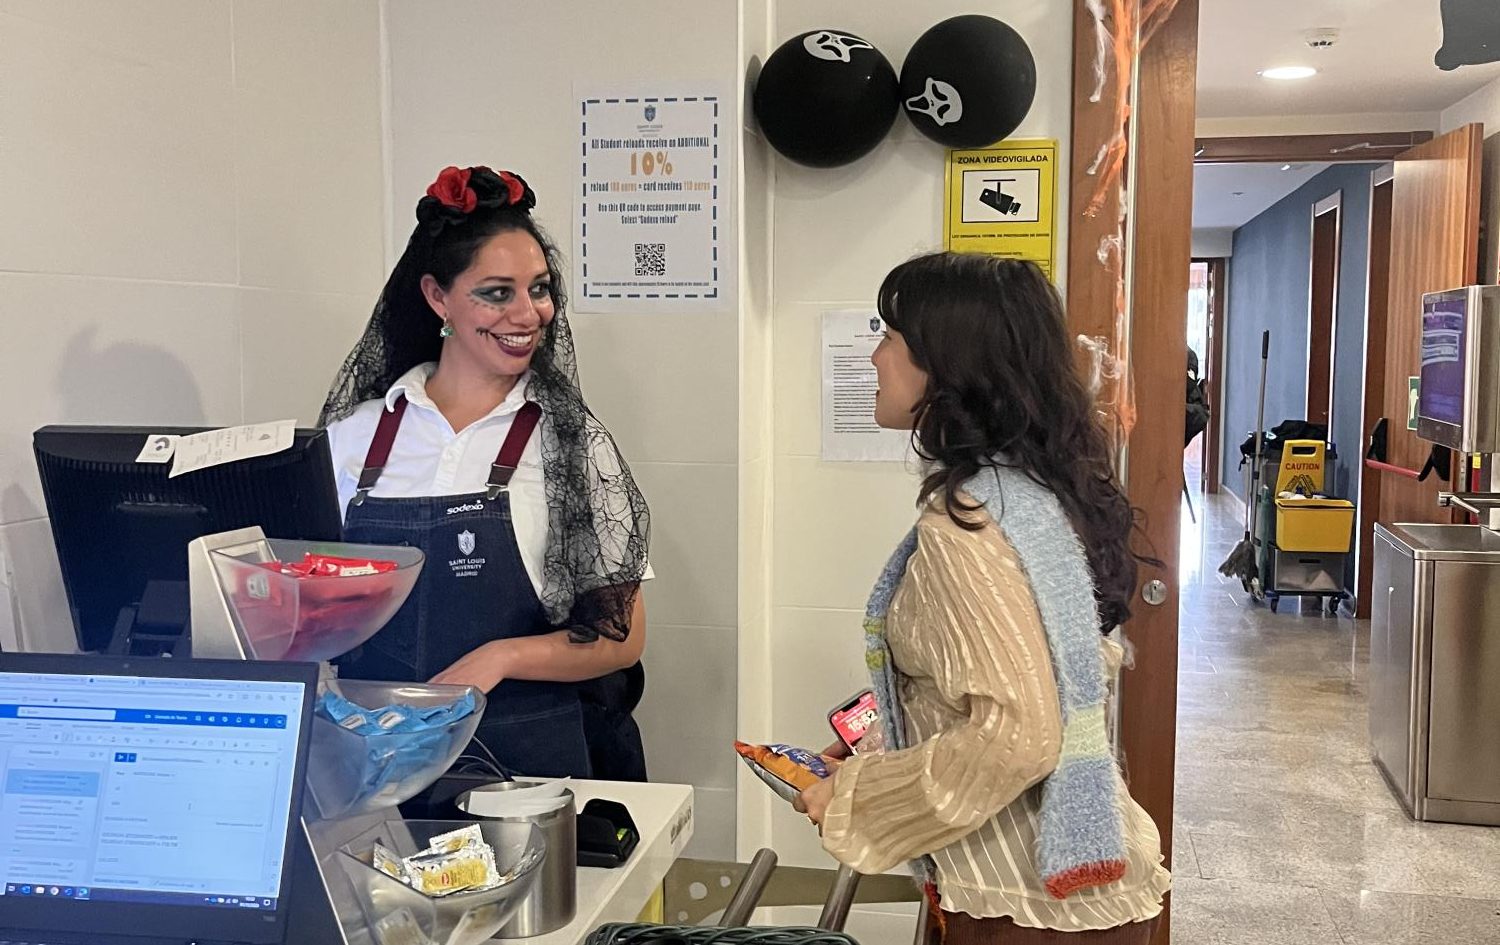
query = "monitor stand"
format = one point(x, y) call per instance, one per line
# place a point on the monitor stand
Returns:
point(157, 626)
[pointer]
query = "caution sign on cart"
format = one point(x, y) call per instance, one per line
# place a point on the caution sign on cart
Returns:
point(1002, 200)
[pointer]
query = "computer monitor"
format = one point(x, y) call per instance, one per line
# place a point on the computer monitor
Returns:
point(150, 797)
point(122, 527)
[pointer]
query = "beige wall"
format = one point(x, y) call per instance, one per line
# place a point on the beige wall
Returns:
point(487, 82)
point(1483, 106)
point(757, 379)
point(836, 233)
point(192, 200)
point(248, 169)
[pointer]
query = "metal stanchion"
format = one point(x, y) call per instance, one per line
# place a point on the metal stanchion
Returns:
point(747, 896)
point(840, 900)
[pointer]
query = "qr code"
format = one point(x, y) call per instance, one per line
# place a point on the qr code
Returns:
point(650, 259)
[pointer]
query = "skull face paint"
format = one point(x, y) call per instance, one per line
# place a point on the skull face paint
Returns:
point(834, 47)
point(939, 101)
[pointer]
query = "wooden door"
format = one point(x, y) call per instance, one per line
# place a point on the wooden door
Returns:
point(1218, 296)
point(1435, 213)
point(1158, 250)
point(1322, 307)
point(1378, 288)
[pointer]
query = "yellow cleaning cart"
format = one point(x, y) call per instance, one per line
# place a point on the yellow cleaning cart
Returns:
point(1306, 535)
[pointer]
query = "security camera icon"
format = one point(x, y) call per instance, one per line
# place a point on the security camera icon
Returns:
point(996, 197)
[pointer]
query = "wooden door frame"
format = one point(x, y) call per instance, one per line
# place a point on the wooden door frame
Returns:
point(1334, 204)
point(1372, 394)
point(1218, 302)
point(1159, 121)
point(1282, 149)
point(1212, 370)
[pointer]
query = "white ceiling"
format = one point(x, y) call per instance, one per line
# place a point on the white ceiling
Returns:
point(1381, 64)
point(1227, 196)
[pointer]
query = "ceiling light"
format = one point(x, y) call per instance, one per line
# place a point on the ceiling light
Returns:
point(1289, 72)
point(1286, 167)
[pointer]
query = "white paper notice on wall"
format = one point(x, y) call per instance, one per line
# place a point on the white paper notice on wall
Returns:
point(650, 228)
point(159, 448)
point(216, 447)
point(850, 433)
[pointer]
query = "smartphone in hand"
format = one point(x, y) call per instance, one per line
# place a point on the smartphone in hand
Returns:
point(856, 722)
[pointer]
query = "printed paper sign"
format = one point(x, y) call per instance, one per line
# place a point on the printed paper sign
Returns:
point(850, 433)
point(1003, 201)
point(650, 224)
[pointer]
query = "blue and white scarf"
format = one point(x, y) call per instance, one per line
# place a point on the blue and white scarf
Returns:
point(1081, 842)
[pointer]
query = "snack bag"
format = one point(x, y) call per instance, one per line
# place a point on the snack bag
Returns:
point(454, 862)
point(786, 770)
point(442, 874)
point(389, 863)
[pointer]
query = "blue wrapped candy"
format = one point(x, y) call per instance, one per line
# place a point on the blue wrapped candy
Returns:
point(400, 740)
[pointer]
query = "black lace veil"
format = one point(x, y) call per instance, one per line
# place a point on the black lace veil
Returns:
point(598, 526)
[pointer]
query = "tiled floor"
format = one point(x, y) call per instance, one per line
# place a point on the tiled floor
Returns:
point(1286, 834)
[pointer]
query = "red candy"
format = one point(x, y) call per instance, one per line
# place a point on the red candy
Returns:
point(313, 565)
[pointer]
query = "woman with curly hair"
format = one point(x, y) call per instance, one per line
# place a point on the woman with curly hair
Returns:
point(983, 634)
point(458, 427)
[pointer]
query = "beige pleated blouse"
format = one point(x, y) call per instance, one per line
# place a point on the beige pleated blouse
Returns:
point(976, 683)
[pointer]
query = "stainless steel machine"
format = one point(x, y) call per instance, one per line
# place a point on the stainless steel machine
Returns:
point(1435, 616)
point(1435, 669)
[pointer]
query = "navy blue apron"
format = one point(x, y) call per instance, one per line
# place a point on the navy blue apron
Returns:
point(473, 589)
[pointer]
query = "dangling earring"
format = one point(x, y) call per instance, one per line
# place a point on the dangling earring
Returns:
point(447, 330)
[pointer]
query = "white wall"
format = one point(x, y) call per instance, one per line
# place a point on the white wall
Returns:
point(836, 234)
point(1483, 106)
point(192, 201)
point(486, 82)
point(756, 396)
point(1213, 243)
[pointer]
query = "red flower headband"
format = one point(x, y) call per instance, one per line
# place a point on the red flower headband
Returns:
point(452, 188)
point(459, 191)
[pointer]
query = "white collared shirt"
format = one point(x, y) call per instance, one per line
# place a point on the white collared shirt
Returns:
point(429, 459)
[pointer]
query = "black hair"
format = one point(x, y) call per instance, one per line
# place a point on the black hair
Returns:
point(1003, 387)
point(598, 523)
point(443, 245)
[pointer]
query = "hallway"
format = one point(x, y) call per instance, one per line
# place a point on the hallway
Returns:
point(1286, 833)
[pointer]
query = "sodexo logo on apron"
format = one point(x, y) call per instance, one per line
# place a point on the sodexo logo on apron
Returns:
point(467, 565)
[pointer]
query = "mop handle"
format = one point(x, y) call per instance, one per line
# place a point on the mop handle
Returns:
point(1260, 412)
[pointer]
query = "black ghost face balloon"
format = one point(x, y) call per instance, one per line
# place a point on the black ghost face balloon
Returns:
point(834, 47)
point(968, 82)
point(825, 98)
point(1471, 33)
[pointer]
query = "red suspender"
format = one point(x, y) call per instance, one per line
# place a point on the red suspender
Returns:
point(501, 470)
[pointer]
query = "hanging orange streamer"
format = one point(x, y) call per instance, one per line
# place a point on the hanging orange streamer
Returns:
point(1118, 50)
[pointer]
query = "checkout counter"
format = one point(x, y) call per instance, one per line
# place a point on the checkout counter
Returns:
point(1435, 617)
point(356, 786)
point(195, 585)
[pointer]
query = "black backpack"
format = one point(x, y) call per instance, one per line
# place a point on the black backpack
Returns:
point(1197, 400)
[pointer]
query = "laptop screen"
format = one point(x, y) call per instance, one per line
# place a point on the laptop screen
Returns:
point(134, 789)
